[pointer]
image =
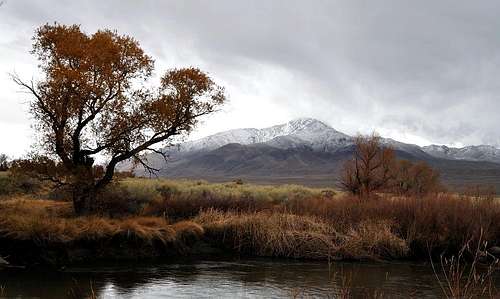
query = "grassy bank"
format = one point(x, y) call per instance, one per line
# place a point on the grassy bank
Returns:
point(294, 236)
point(160, 218)
point(45, 231)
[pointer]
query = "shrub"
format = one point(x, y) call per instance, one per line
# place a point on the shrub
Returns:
point(11, 184)
point(119, 200)
point(184, 199)
point(414, 179)
point(27, 184)
point(61, 193)
point(6, 185)
point(179, 207)
point(4, 162)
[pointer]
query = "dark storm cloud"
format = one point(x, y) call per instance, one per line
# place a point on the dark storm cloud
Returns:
point(426, 68)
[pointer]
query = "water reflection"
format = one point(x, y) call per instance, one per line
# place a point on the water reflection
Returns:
point(262, 278)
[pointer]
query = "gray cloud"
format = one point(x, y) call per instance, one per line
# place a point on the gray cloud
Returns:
point(423, 68)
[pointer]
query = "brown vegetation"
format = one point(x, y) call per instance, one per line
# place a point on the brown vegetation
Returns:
point(459, 278)
point(479, 192)
point(286, 221)
point(270, 234)
point(289, 235)
point(370, 168)
point(441, 223)
point(185, 199)
point(17, 184)
point(51, 230)
point(374, 168)
point(414, 179)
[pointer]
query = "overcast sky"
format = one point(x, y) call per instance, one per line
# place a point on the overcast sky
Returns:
point(417, 71)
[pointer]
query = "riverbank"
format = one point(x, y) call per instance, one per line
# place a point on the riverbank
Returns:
point(45, 232)
point(154, 219)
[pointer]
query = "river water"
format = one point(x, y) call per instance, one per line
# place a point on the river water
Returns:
point(248, 278)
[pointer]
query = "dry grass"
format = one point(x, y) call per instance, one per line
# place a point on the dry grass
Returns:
point(371, 239)
point(441, 223)
point(266, 234)
point(288, 235)
point(188, 230)
point(388, 227)
point(193, 189)
point(45, 221)
point(460, 279)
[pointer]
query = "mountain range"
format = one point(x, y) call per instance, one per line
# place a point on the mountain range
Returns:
point(308, 151)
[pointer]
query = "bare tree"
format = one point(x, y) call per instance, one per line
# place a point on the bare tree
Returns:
point(370, 168)
point(92, 101)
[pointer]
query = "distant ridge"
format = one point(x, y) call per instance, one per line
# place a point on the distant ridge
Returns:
point(470, 153)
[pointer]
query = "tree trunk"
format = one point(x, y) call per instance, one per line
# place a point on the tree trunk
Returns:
point(84, 200)
point(84, 187)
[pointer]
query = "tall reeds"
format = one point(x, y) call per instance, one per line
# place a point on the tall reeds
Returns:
point(459, 277)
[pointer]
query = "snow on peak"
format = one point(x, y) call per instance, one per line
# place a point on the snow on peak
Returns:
point(306, 131)
point(314, 134)
point(472, 152)
point(303, 125)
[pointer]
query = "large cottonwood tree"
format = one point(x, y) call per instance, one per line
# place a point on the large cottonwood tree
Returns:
point(92, 100)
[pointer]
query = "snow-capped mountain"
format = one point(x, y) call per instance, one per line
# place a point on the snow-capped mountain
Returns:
point(470, 153)
point(299, 133)
point(318, 136)
point(312, 134)
point(296, 133)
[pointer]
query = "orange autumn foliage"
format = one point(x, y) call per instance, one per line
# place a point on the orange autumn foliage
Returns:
point(92, 101)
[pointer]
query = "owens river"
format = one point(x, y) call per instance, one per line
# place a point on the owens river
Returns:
point(248, 278)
